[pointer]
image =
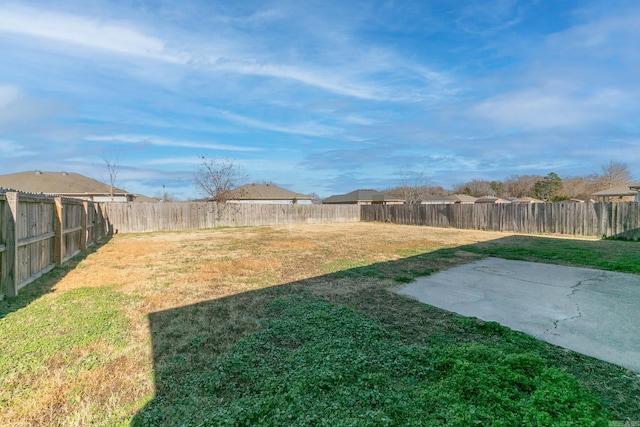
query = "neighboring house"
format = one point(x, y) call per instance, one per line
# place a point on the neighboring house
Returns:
point(636, 188)
point(363, 197)
point(623, 193)
point(492, 199)
point(65, 184)
point(525, 199)
point(462, 198)
point(267, 193)
point(432, 199)
point(141, 198)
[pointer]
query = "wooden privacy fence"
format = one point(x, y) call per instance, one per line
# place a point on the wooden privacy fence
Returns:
point(144, 217)
point(38, 232)
point(609, 219)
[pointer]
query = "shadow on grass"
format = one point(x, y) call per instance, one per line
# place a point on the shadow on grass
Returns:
point(188, 342)
point(43, 285)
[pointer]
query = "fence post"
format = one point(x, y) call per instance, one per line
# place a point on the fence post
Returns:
point(85, 217)
point(59, 240)
point(10, 254)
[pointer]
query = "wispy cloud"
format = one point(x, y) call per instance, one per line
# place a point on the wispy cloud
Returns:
point(483, 17)
point(174, 160)
point(163, 142)
point(10, 149)
point(548, 108)
point(612, 33)
point(18, 109)
point(327, 95)
point(8, 95)
point(306, 128)
point(84, 31)
point(359, 76)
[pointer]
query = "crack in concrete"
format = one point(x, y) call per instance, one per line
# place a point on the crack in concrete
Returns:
point(574, 289)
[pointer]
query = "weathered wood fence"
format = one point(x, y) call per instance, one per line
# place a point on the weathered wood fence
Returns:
point(609, 219)
point(144, 217)
point(38, 232)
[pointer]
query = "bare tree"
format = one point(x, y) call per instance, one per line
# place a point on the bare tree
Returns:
point(218, 178)
point(317, 200)
point(614, 174)
point(113, 167)
point(520, 185)
point(581, 187)
point(413, 185)
point(166, 196)
point(475, 188)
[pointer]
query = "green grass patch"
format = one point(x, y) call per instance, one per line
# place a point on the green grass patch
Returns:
point(315, 363)
point(605, 254)
point(410, 252)
point(54, 326)
point(342, 264)
point(338, 349)
point(353, 269)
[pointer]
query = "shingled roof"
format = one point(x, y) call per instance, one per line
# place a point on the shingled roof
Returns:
point(265, 192)
point(59, 183)
point(362, 196)
point(463, 198)
point(621, 190)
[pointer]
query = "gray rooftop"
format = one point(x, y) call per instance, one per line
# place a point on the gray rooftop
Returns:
point(362, 196)
point(64, 183)
point(265, 192)
point(620, 190)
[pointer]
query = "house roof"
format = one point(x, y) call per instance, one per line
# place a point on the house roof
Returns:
point(434, 198)
point(265, 192)
point(362, 196)
point(141, 198)
point(63, 183)
point(492, 199)
point(525, 199)
point(463, 198)
point(620, 190)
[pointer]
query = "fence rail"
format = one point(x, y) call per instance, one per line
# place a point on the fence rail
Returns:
point(38, 232)
point(609, 219)
point(145, 217)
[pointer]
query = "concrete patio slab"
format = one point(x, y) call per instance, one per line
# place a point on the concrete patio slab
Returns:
point(593, 312)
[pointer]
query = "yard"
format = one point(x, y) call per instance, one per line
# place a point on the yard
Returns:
point(293, 326)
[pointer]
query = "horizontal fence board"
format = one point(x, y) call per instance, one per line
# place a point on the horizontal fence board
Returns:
point(35, 239)
point(608, 219)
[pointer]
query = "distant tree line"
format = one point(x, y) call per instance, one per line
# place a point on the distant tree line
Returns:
point(550, 187)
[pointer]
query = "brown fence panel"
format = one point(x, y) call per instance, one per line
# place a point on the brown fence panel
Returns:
point(608, 219)
point(38, 232)
point(73, 231)
point(145, 217)
point(35, 235)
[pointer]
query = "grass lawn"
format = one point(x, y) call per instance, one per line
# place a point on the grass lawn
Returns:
point(294, 326)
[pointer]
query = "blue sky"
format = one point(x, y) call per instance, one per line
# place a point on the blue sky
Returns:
point(319, 96)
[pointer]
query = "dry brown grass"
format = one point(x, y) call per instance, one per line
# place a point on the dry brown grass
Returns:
point(163, 271)
point(173, 269)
